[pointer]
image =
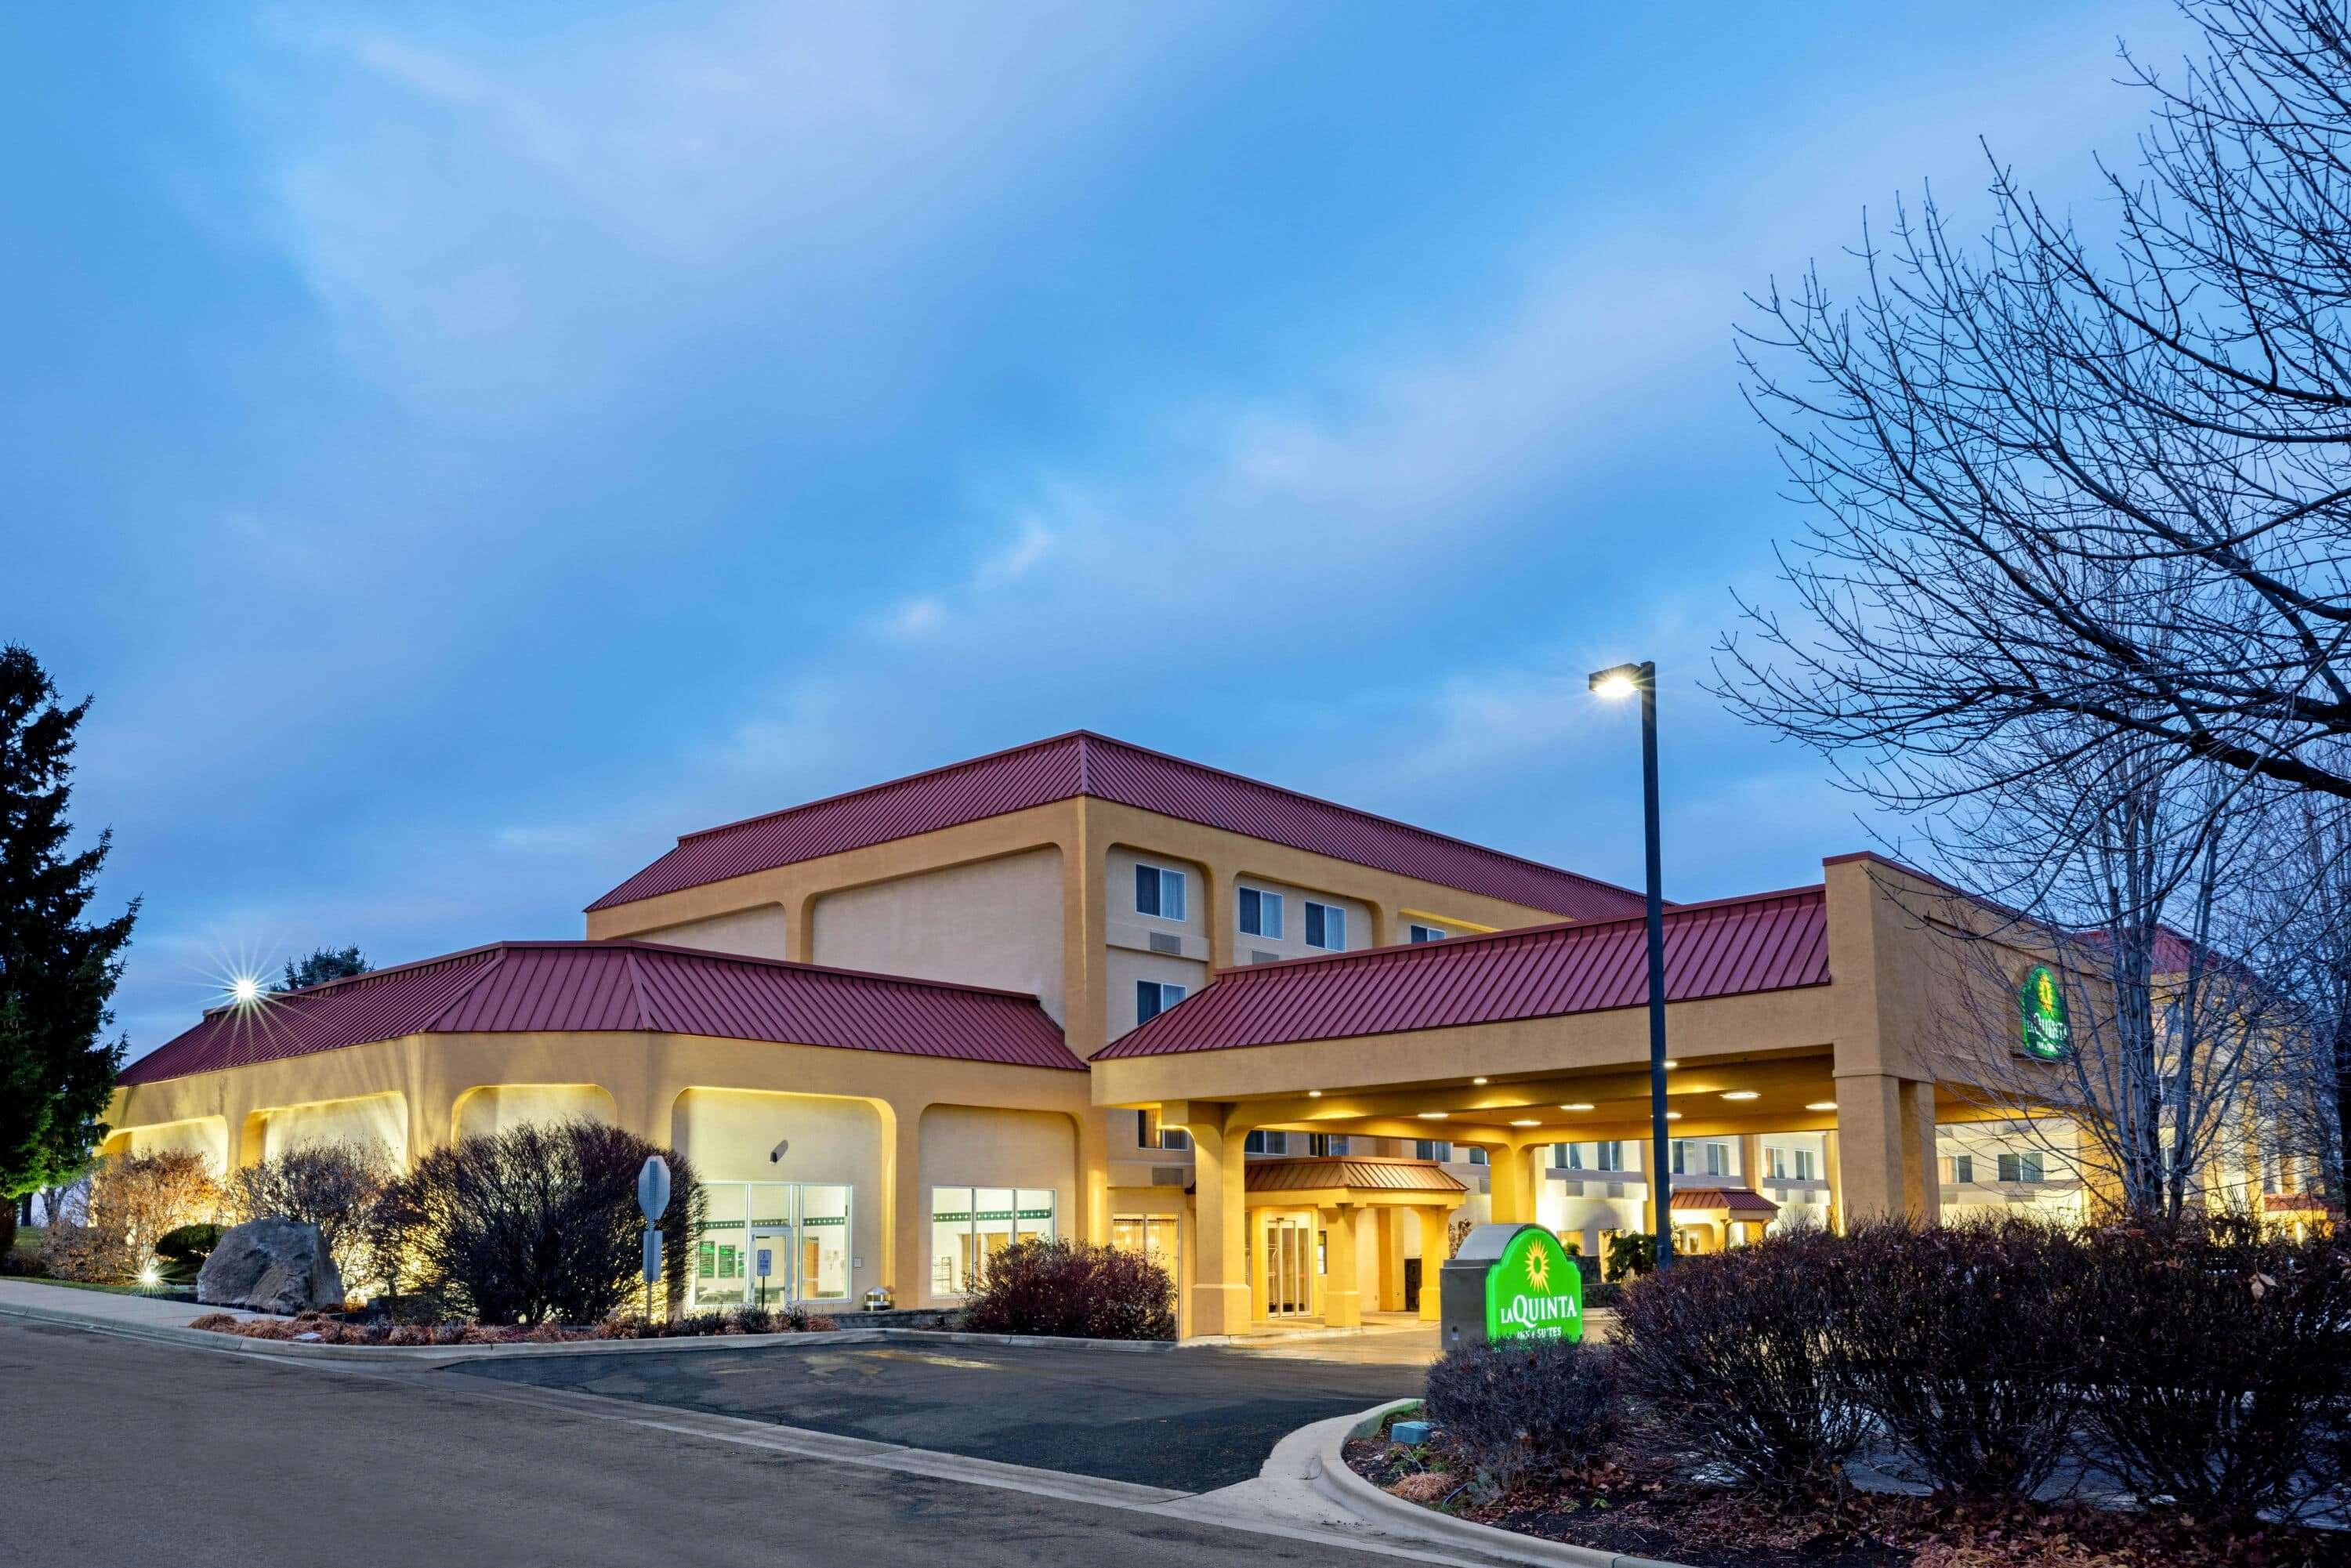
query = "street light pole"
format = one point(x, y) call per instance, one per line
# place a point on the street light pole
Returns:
point(1623, 681)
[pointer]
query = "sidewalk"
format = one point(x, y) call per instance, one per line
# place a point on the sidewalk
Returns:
point(39, 1298)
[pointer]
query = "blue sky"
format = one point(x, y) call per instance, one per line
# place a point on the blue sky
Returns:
point(461, 453)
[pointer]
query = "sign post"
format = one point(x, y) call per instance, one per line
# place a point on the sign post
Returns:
point(652, 1199)
point(1511, 1282)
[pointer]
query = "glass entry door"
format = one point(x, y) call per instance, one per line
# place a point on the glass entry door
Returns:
point(1289, 1262)
point(769, 1250)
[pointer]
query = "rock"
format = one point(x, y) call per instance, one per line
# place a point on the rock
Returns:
point(270, 1266)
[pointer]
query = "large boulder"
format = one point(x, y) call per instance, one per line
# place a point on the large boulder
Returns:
point(270, 1266)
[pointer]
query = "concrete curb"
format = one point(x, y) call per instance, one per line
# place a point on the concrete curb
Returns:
point(435, 1356)
point(1359, 1497)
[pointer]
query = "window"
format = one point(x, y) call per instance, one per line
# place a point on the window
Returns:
point(1477, 1156)
point(1152, 1136)
point(1608, 1156)
point(1158, 890)
point(1264, 1142)
point(1426, 934)
point(1803, 1165)
point(1567, 1156)
point(1689, 1158)
point(1778, 1161)
point(1963, 1168)
point(1153, 997)
point(1431, 1149)
point(1326, 926)
point(1326, 1144)
point(970, 1225)
point(2020, 1167)
point(1261, 912)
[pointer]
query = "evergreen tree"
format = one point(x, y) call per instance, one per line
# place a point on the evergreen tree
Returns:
point(324, 964)
point(58, 972)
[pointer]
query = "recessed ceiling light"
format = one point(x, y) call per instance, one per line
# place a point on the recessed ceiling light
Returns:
point(1579, 1105)
point(1673, 1115)
point(1526, 1122)
point(1671, 1064)
point(1435, 1115)
point(1314, 1095)
point(1821, 1105)
point(1476, 1081)
point(1739, 1094)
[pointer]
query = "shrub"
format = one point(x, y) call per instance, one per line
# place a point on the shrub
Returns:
point(1072, 1289)
point(1631, 1254)
point(1723, 1358)
point(1955, 1338)
point(1523, 1406)
point(334, 1186)
point(535, 1224)
point(184, 1250)
point(134, 1201)
point(2218, 1357)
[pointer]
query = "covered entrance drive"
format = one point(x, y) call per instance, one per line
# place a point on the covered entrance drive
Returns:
point(1814, 1011)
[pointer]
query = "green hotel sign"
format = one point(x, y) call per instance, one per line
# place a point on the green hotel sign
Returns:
point(2041, 1004)
point(1512, 1281)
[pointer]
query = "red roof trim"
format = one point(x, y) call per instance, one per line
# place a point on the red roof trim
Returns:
point(1731, 946)
point(603, 986)
point(1066, 767)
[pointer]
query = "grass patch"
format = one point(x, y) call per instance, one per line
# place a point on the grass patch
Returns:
point(159, 1292)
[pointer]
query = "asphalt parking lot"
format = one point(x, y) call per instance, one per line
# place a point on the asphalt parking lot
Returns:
point(1188, 1419)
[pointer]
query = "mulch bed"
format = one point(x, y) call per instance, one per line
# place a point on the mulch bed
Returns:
point(1647, 1508)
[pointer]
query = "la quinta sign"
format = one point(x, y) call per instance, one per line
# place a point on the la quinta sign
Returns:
point(2041, 1003)
point(1512, 1281)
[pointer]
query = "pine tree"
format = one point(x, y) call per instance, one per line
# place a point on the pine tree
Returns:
point(57, 973)
point(324, 964)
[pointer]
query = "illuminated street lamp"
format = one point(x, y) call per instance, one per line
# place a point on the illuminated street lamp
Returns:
point(1624, 681)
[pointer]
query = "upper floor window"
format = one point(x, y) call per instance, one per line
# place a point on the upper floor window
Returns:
point(1608, 1156)
point(1151, 1135)
point(1264, 1142)
point(1692, 1159)
point(1790, 1163)
point(1153, 997)
point(1477, 1155)
point(1261, 912)
point(1326, 926)
point(2020, 1167)
point(1428, 1148)
point(1418, 933)
point(1159, 891)
point(1326, 1143)
point(1567, 1156)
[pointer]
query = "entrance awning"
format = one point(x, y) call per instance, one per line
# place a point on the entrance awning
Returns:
point(1359, 1171)
point(1739, 1202)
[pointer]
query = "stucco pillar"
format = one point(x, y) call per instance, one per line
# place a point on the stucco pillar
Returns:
point(1869, 1128)
point(1220, 1291)
point(1093, 1174)
point(1343, 1291)
point(1391, 1246)
point(1832, 1173)
point(1750, 1161)
point(907, 1227)
point(1261, 1280)
point(1922, 1187)
point(1510, 1175)
point(1435, 1219)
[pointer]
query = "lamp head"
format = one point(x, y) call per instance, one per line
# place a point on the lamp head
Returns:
point(1622, 681)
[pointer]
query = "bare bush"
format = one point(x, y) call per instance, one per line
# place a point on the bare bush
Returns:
point(134, 1201)
point(334, 1186)
point(1073, 1289)
point(1523, 1407)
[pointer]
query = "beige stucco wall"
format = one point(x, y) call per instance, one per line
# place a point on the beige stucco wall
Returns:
point(971, 1146)
point(993, 923)
point(728, 1134)
point(205, 1136)
point(373, 1119)
point(495, 1108)
point(761, 931)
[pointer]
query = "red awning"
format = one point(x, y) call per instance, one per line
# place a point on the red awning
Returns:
point(1740, 1203)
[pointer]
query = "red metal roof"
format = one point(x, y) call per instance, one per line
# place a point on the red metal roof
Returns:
point(1766, 942)
point(1742, 1202)
point(558, 986)
point(1367, 1171)
point(1081, 763)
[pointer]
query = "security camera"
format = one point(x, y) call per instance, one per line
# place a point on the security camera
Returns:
point(775, 1154)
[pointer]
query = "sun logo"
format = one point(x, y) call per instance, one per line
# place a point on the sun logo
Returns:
point(1538, 1269)
point(2047, 992)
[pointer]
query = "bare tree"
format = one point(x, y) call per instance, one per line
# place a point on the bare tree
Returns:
point(2305, 895)
point(1993, 436)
